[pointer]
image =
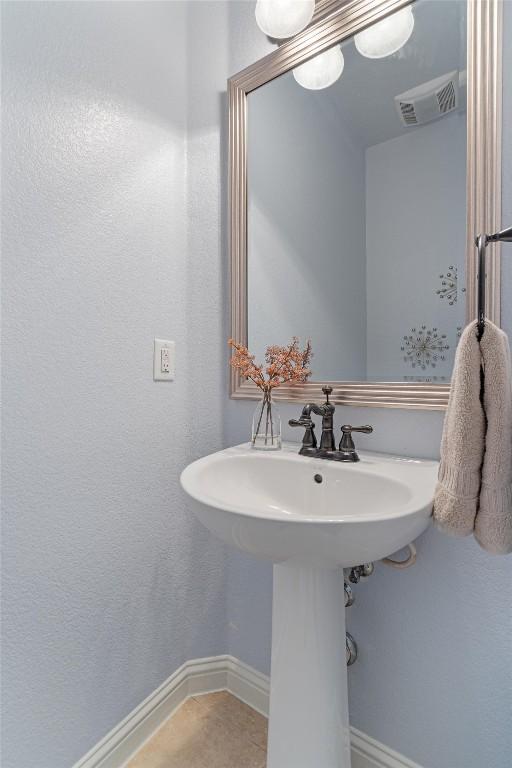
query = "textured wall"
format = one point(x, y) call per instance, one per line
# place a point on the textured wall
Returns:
point(113, 235)
point(109, 584)
point(434, 676)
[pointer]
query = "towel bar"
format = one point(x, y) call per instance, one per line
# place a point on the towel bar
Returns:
point(481, 242)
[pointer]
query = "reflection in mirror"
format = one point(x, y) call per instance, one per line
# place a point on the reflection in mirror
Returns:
point(357, 206)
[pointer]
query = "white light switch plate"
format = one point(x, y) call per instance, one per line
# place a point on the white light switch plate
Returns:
point(164, 360)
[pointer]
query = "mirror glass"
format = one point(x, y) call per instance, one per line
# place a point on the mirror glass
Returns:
point(357, 202)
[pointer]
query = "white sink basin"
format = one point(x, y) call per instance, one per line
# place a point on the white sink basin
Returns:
point(311, 517)
point(269, 504)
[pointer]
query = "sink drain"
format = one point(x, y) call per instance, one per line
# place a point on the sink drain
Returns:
point(318, 479)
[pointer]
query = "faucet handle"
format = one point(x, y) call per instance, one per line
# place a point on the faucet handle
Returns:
point(304, 421)
point(346, 443)
point(309, 439)
point(367, 429)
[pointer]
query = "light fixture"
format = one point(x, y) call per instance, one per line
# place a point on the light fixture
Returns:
point(283, 18)
point(322, 71)
point(386, 36)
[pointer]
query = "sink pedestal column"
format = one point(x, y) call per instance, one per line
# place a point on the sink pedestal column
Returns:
point(308, 721)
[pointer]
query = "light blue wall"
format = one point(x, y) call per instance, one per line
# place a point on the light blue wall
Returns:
point(108, 584)
point(434, 675)
point(117, 234)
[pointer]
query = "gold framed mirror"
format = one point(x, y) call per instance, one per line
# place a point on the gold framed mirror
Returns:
point(335, 23)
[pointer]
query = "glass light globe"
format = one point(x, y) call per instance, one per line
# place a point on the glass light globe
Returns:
point(283, 18)
point(386, 36)
point(322, 71)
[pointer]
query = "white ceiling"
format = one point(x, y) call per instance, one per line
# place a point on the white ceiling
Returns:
point(363, 98)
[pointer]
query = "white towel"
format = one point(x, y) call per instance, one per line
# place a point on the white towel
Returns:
point(474, 492)
point(493, 524)
point(462, 444)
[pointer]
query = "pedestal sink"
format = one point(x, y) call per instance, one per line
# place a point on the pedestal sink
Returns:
point(311, 518)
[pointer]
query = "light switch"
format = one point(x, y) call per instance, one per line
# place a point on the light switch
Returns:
point(163, 360)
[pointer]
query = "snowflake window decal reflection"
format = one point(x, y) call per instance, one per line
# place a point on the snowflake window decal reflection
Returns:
point(424, 348)
point(449, 286)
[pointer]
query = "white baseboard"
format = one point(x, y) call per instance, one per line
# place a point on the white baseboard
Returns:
point(192, 678)
point(218, 673)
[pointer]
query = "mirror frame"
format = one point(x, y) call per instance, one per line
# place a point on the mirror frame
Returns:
point(333, 22)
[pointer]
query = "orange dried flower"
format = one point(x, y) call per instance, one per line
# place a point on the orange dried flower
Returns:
point(284, 365)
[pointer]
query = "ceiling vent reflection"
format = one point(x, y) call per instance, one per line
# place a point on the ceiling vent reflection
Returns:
point(430, 100)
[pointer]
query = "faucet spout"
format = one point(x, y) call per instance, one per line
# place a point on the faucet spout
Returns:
point(312, 407)
point(326, 411)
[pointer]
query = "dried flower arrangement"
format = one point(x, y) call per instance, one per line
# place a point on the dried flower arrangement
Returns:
point(283, 365)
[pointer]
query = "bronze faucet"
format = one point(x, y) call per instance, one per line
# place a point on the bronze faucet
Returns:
point(327, 449)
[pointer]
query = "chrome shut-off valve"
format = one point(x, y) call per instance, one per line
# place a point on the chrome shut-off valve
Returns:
point(349, 595)
point(356, 573)
point(350, 649)
point(361, 571)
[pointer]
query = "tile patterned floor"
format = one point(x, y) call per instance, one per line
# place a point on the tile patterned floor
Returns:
point(211, 731)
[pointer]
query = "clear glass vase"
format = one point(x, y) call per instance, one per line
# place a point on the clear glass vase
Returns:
point(266, 425)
